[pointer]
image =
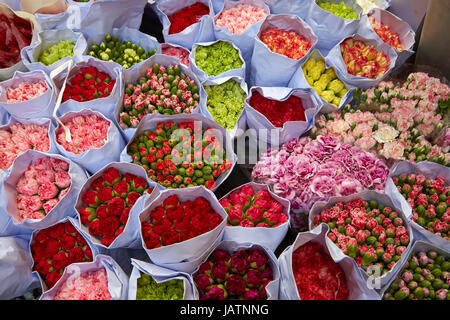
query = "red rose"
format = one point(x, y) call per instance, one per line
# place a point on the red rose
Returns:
point(220, 255)
point(88, 253)
point(250, 294)
point(109, 225)
point(175, 214)
point(157, 215)
point(37, 251)
point(235, 215)
point(128, 177)
point(56, 231)
point(272, 217)
point(262, 225)
point(170, 237)
point(76, 255)
point(253, 278)
point(215, 293)
point(95, 228)
point(246, 223)
point(257, 259)
point(219, 271)
point(43, 266)
point(119, 231)
point(41, 237)
point(162, 226)
point(225, 203)
point(132, 197)
point(235, 285)
point(200, 224)
point(152, 240)
point(106, 241)
point(267, 273)
point(52, 278)
point(254, 214)
point(90, 198)
point(89, 72)
point(85, 213)
point(111, 176)
point(51, 247)
point(68, 242)
point(116, 206)
point(124, 216)
point(202, 203)
point(203, 281)
point(105, 194)
point(262, 203)
point(214, 220)
point(171, 201)
point(121, 188)
point(146, 227)
point(80, 240)
point(237, 198)
point(102, 212)
point(184, 228)
point(76, 79)
point(205, 267)
point(239, 262)
point(60, 261)
point(97, 183)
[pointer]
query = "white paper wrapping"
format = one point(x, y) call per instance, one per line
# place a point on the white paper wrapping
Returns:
point(187, 250)
point(15, 267)
point(367, 195)
point(329, 28)
point(270, 69)
point(94, 158)
point(291, 129)
point(149, 123)
point(356, 284)
point(241, 123)
point(430, 170)
point(296, 7)
point(397, 25)
point(130, 237)
point(133, 75)
point(4, 116)
point(160, 275)
point(38, 107)
point(117, 278)
point(202, 76)
point(30, 54)
point(273, 287)
point(103, 105)
point(334, 57)
point(267, 237)
point(298, 80)
point(8, 204)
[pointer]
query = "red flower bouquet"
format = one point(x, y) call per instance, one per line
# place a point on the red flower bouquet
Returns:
point(88, 84)
point(242, 275)
point(108, 202)
point(316, 275)
point(288, 43)
point(175, 221)
point(187, 16)
point(278, 112)
point(385, 33)
point(56, 247)
point(246, 208)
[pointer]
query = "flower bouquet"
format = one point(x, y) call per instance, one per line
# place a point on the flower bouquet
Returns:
point(422, 191)
point(53, 49)
point(368, 228)
point(54, 248)
point(19, 136)
point(101, 279)
point(160, 85)
point(343, 17)
point(109, 203)
point(242, 271)
point(186, 23)
point(96, 141)
point(305, 171)
point(425, 276)
point(28, 95)
point(162, 145)
point(256, 215)
point(274, 59)
point(395, 122)
point(313, 269)
point(41, 189)
point(151, 282)
point(176, 51)
point(179, 225)
point(288, 111)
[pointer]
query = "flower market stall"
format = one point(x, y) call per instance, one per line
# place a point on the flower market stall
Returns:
point(222, 150)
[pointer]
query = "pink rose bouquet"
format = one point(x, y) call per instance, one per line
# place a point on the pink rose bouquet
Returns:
point(18, 138)
point(305, 171)
point(238, 18)
point(26, 91)
point(41, 187)
point(399, 122)
point(87, 132)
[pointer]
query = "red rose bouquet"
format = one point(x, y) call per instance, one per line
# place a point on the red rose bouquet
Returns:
point(247, 208)
point(187, 16)
point(88, 84)
point(106, 205)
point(317, 276)
point(56, 247)
point(242, 275)
point(175, 221)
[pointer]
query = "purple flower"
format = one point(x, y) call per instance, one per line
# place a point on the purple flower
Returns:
point(329, 142)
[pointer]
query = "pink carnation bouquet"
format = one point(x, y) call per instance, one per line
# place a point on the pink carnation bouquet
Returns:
point(17, 138)
point(305, 171)
point(91, 285)
point(238, 18)
point(87, 132)
point(176, 51)
point(41, 187)
point(26, 91)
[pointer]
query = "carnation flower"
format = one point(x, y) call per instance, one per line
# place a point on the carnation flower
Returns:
point(92, 285)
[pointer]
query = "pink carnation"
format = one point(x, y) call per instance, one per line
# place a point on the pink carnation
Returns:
point(91, 285)
point(62, 179)
point(238, 18)
point(26, 91)
point(48, 191)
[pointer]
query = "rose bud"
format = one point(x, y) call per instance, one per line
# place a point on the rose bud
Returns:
point(250, 294)
point(239, 262)
point(203, 281)
point(257, 259)
point(235, 285)
point(219, 271)
point(217, 292)
point(253, 278)
point(220, 255)
point(235, 215)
